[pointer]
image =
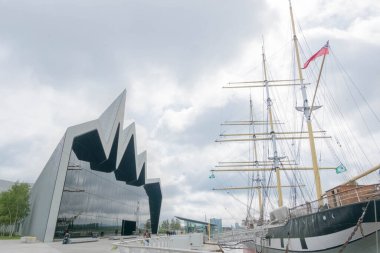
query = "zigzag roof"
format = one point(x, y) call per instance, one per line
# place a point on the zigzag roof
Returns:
point(108, 148)
point(108, 125)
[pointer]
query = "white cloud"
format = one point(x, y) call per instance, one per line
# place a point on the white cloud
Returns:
point(63, 69)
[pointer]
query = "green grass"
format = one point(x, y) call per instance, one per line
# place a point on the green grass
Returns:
point(6, 237)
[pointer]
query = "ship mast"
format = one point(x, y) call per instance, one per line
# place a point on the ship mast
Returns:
point(276, 158)
point(255, 162)
point(307, 113)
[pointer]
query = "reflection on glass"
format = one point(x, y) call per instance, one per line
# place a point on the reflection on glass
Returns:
point(95, 203)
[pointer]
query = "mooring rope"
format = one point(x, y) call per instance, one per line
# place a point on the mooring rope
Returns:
point(358, 224)
point(287, 245)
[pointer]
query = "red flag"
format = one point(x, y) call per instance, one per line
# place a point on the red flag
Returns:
point(323, 51)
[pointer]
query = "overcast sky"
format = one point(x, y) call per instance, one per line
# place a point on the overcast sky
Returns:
point(63, 62)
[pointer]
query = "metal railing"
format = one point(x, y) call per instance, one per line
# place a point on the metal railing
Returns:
point(148, 249)
point(177, 243)
point(237, 235)
point(338, 197)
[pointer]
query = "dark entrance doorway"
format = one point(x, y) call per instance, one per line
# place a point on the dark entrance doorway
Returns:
point(128, 227)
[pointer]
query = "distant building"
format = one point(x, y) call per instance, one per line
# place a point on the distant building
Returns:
point(95, 183)
point(227, 228)
point(197, 226)
point(218, 223)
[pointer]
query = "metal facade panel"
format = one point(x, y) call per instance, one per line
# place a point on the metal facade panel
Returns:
point(47, 192)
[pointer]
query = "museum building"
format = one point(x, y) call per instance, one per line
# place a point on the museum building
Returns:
point(94, 183)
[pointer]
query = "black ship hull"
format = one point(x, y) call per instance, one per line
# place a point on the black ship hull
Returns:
point(323, 231)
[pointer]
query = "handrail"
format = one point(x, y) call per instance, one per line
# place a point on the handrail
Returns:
point(156, 249)
point(177, 243)
point(349, 196)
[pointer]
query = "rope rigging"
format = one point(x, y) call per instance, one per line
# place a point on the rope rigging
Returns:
point(346, 150)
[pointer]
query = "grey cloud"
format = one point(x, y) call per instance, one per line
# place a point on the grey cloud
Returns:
point(9, 153)
point(355, 92)
point(342, 20)
point(172, 190)
point(205, 127)
point(102, 40)
point(104, 45)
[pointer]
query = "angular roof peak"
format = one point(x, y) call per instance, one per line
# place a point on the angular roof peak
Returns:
point(109, 116)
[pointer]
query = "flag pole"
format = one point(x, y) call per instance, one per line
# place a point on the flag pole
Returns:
point(306, 112)
point(316, 87)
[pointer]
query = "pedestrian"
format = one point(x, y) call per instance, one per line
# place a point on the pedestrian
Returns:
point(146, 238)
point(66, 237)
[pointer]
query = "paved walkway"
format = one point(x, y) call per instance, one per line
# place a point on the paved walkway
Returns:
point(101, 246)
point(15, 246)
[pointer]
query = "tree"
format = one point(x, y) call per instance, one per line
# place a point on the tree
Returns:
point(164, 227)
point(172, 224)
point(148, 224)
point(4, 220)
point(14, 205)
point(177, 224)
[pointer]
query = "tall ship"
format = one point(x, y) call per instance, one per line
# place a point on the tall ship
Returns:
point(342, 218)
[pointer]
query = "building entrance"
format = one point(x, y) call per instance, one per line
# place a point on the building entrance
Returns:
point(128, 227)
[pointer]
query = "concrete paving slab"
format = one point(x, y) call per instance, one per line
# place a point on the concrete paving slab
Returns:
point(16, 246)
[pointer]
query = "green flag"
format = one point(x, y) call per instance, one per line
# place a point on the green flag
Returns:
point(340, 169)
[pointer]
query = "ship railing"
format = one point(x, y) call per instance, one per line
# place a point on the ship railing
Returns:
point(237, 235)
point(188, 243)
point(339, 196)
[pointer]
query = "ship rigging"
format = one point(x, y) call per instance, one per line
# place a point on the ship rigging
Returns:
point(267, 168)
